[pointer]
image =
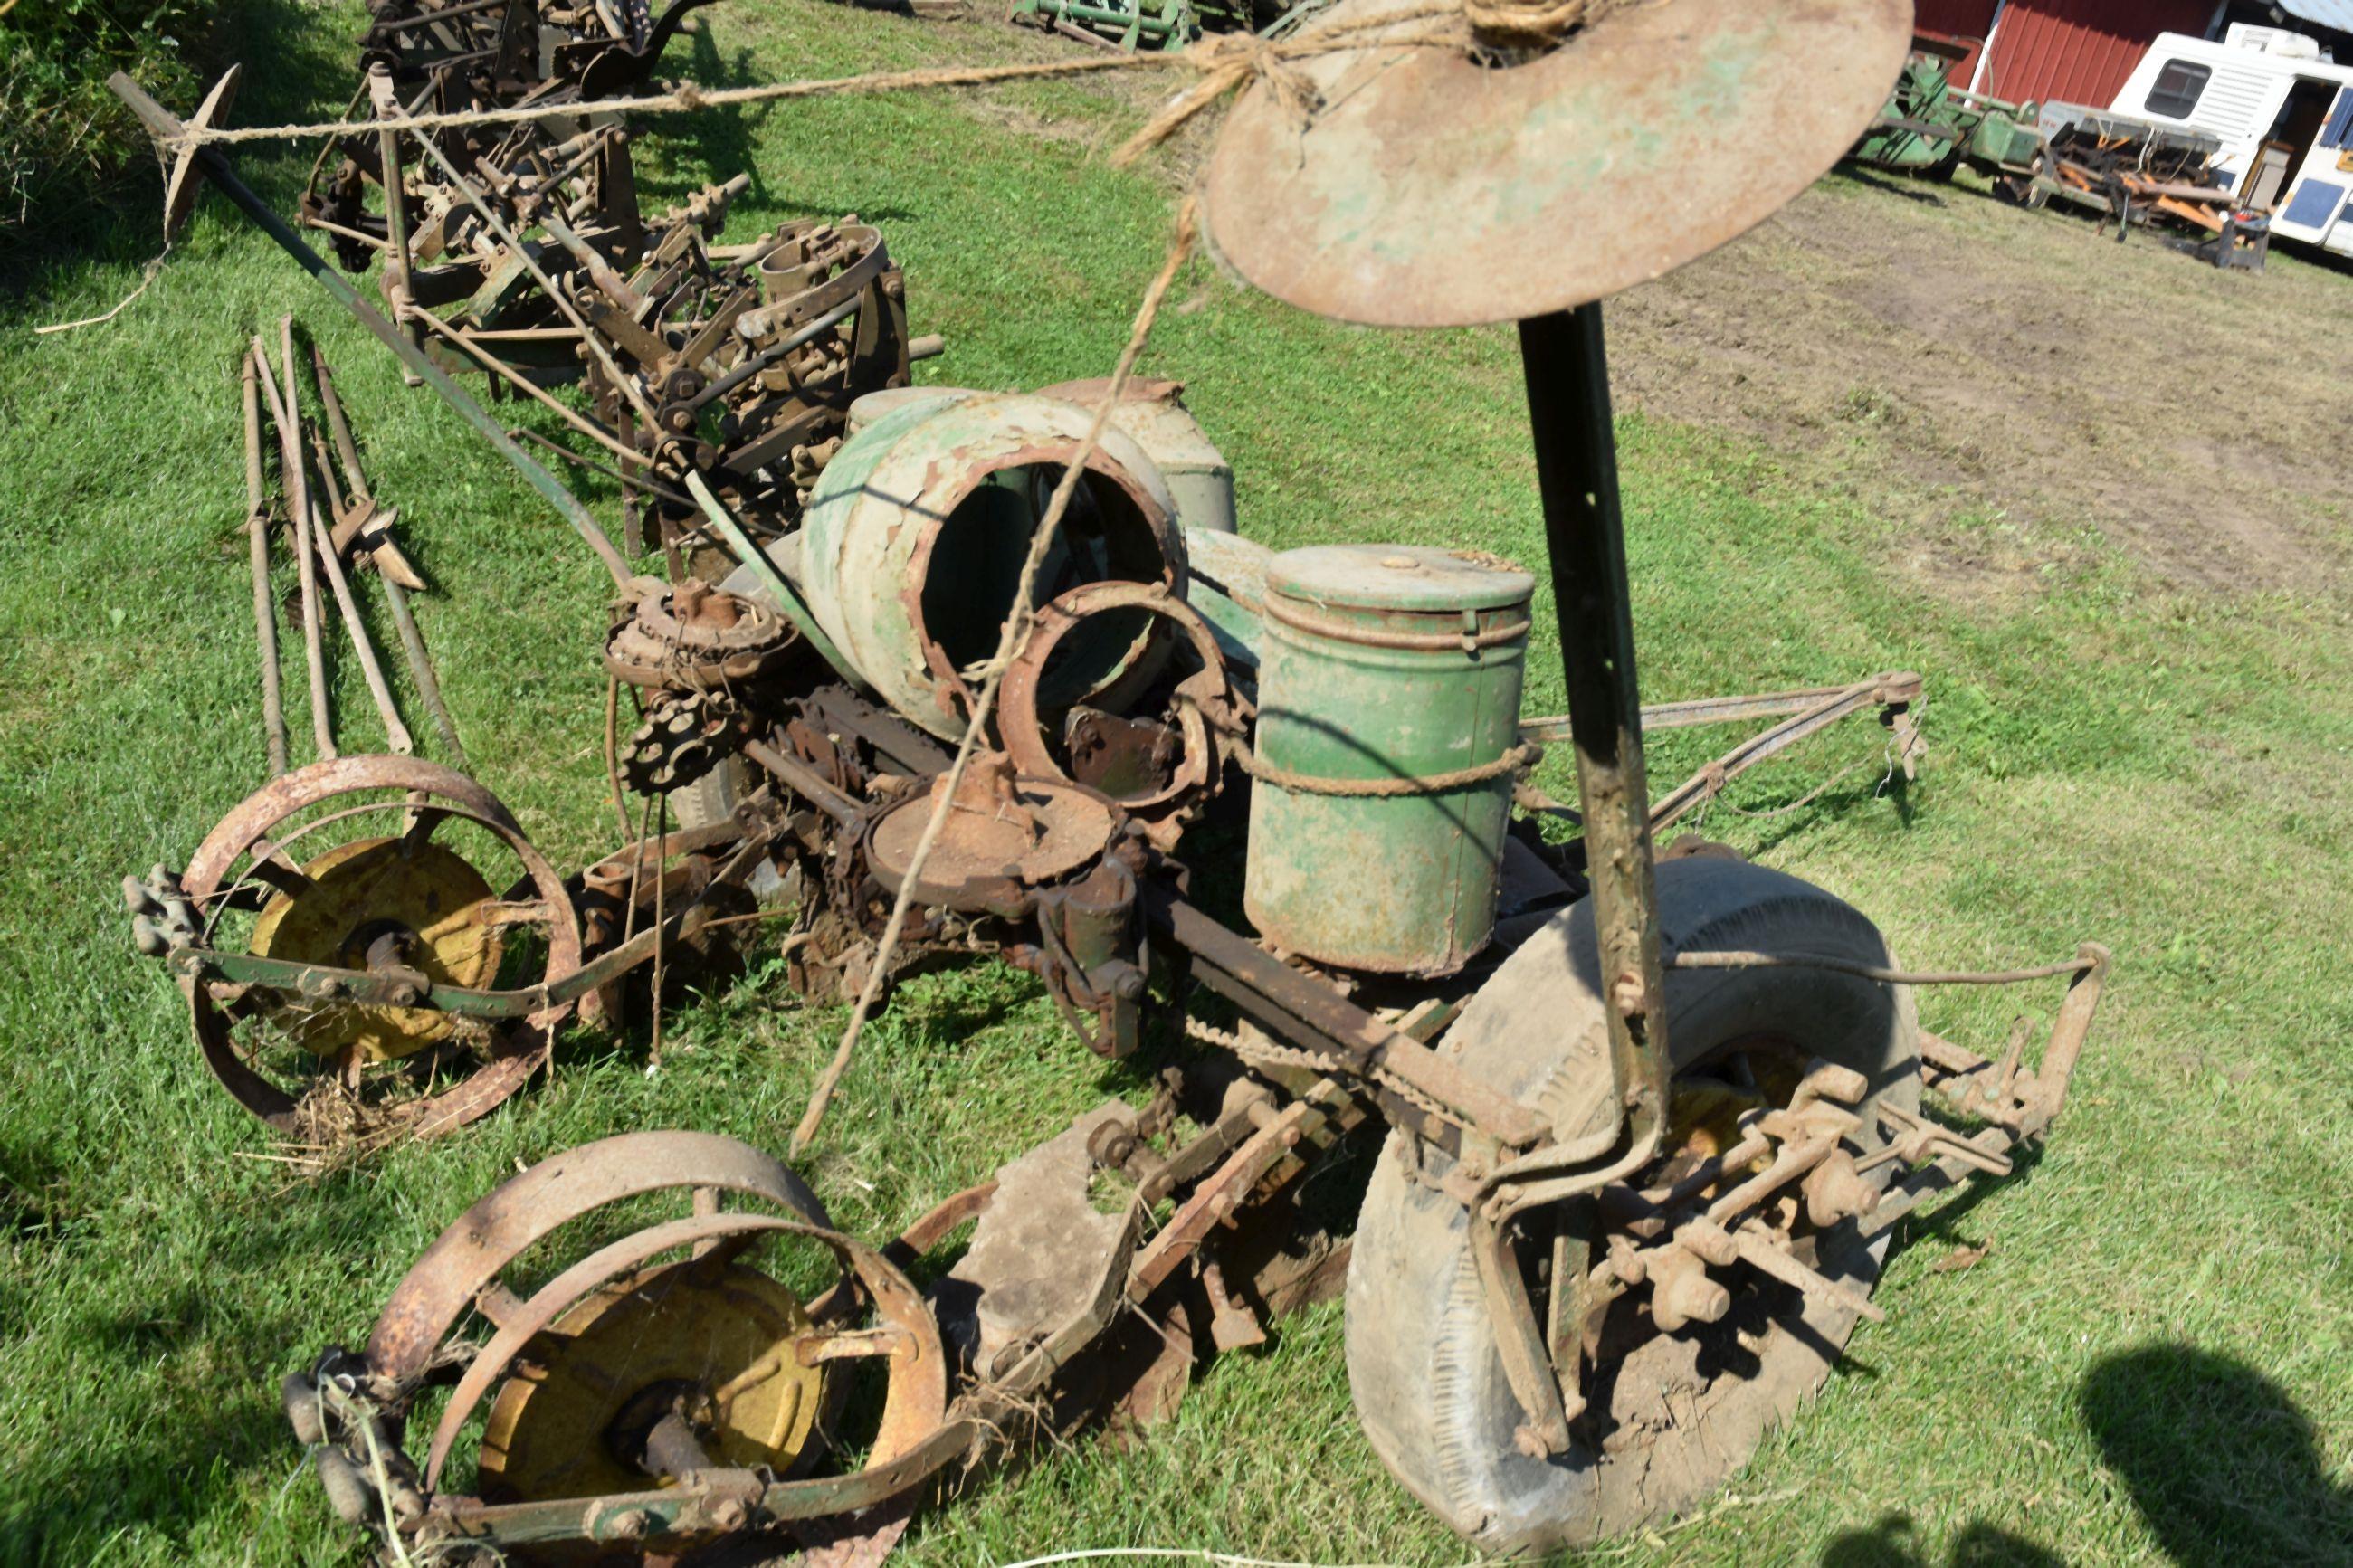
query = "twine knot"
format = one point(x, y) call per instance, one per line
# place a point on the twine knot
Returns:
point(1521, 24)
point(1227, 63)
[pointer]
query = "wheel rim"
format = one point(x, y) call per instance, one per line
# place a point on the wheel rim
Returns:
point(432, 1070)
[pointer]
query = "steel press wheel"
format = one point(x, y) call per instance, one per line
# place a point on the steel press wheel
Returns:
point(1672, 1416)
point(357, 862)
point(649, 1305)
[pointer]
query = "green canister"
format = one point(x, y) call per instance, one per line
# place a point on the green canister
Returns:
point(1387, 741)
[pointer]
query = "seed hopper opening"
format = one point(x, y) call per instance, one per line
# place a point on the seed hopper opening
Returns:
point(973, 573)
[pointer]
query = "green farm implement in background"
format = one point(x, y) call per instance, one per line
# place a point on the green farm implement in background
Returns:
point(1931, 127)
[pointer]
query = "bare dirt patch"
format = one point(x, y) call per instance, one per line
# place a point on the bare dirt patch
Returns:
point(2003, 380)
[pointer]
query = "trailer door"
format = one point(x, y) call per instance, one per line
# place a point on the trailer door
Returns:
point(2323, 175)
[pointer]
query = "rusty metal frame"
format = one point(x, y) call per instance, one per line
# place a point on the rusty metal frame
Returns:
point(397, 989)
point(1251, 1151)
point(1296, 1007)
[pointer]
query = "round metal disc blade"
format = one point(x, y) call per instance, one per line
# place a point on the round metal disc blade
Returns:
point(1430, 190)
point(182, 180)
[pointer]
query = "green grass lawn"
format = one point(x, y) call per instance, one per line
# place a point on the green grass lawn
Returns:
point(2150, 1363)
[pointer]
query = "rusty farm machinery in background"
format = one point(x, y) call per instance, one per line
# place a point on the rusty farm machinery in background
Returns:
point(519, 250)
point(1644, 1120)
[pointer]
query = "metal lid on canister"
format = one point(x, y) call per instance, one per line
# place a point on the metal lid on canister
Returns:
point(1409, 577)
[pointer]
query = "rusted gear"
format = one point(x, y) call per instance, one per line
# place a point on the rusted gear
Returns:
point(696, 636)
point(398, 901)
point(684, 735)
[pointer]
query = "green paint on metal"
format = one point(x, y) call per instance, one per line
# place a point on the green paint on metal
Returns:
point(911, 542)
point(1128, 24)
point(1928, 125)
point(1398, 884)
point(789, 600)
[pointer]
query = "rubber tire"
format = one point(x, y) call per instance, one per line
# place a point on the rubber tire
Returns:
point(1428, 1385)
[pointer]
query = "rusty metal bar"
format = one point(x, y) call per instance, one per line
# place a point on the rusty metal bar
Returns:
point(804, 782)
point(165, 127)
point(322, 983)
point(627, 481)
point(1741, 959)
point(1709, 782)
point(1887, 688)
point(396, 597)
point(1300, 1009)
point(1567, 374)
point(318, 534)
point(298, 532)
point(523, 383)
point(2045, 1096)
point(397, 261)
point(265, 617)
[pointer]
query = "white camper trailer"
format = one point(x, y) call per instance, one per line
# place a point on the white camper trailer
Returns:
point(2282, 113)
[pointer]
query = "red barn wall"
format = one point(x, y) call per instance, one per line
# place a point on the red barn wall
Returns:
point(2080, 51)
point(1962, 22)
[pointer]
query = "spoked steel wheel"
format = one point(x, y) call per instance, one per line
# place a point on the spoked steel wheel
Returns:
point(385, 864)
point(634, 1311)
point(1677, 1403)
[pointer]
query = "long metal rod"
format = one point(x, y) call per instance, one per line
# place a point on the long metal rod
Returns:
point(1239, 969)
point(265, 617)
point(1568, 372)
point(399, 261)
point(397, 733)
point(489, 361)
point(395, 594)
point(421, 666)
point(402, 742)
point(363, 515)
point(163, 125)
point(298, 532)
point(594, 467)
point(1887, 687)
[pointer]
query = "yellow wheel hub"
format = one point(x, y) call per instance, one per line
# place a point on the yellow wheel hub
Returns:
point(359, 892)
point(1703, 1112)
point(727, 1334)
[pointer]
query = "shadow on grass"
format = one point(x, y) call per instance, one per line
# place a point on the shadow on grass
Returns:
point(155, 1484)
point(125, 1466)
point(1889, 1544)
point(717, 142)
point(1909, 189)
point(2220, 1461)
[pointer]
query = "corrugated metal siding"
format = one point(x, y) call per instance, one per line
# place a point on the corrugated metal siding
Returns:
point(1960, 22)
point(2337, 14)
point(2080, 51)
